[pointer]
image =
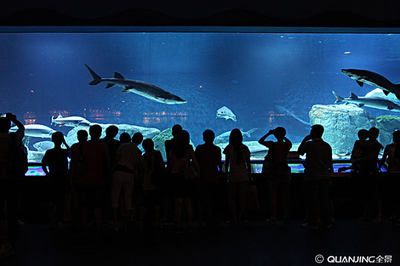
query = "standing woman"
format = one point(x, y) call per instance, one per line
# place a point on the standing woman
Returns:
point(238, 168)
point(183, 168)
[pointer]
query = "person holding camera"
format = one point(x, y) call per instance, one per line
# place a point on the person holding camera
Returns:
point(13, 164)
point(277, 171)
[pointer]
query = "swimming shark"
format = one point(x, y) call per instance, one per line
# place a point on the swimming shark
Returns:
point(372, 102)
point(286, 111)
point(373, 79)
point(69, 121)
point(224, 137)
point(141, 88)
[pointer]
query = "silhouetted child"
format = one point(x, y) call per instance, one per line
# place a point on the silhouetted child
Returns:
point(277, 170)
point(208, 156)
point(55, 165)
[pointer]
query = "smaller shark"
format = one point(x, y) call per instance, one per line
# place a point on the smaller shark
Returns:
point(373, 79)
point(147, 90)
point(69, 121)
point(372, 102)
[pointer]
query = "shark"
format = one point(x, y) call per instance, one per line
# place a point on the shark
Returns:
point(69, 121)
point(144, 89)
point(373, 79)
point(372, 102)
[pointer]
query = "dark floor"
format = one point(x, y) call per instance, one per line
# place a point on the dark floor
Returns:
point(255, 244)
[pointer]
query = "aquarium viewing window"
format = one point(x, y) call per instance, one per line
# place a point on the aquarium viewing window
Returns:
point(148, 79)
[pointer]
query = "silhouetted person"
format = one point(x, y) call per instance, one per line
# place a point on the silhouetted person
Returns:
point(317, 170)
point(277, 170)
point(183, 168)
point(358, 166)
point(358, 153)
point(238, 169)
point(137, 139)
point(77, 172)
point(373, 184)
point(55, 165)
point(112, 147)
point(167, 189)
point(391, 157)
point(124, 138)
point(153, 173)
point(92, 183)
point(208, 157)
point(128, 159)
point(13, 165)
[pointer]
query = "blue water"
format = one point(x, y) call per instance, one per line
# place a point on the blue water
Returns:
point(43, 74)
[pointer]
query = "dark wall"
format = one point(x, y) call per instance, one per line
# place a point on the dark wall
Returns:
point(172, 12)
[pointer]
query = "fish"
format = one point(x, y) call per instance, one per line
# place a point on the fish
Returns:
point(378, 93)
point(372, 102)
point(373, 79)
point(144, 89)
point(290, 113)
point(226, 113)
point(36, 131)
point(69, 121)
point(224, 137)
point(43, 145)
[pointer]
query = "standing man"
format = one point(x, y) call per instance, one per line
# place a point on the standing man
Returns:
point(317, 169)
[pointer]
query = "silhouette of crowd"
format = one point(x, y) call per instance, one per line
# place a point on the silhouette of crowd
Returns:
point(103, 181)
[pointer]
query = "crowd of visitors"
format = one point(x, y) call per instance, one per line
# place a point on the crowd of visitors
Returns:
point(100, 181)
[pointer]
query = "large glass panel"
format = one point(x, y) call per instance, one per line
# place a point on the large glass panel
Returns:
point(216, 80)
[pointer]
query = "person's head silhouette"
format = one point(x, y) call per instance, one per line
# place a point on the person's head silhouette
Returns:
point(316, 131)
point(373, 133)
point(111, 132)
point(208, 136)
point(148, 145)
point(82, 135)
point(279, 133)
point(137, 138)
point(176, 130)
point(124, 137)
point(236, 137)
point(396, 136)
point(95, 132)
point(5, 124)
point(363, 134)
point(57, 138)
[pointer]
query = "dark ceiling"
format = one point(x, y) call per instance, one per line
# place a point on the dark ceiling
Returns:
point(169, 12)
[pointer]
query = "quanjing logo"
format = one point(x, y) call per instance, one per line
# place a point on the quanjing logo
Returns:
point(354, 259)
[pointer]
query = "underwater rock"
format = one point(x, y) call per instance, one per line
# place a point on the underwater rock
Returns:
point(341, 123)
point(147, 132)
point(159, 141)
point(386, 125)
